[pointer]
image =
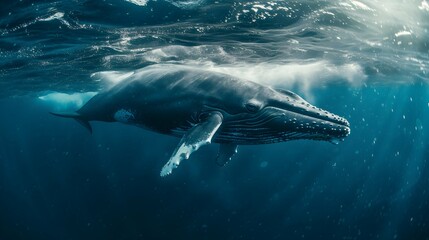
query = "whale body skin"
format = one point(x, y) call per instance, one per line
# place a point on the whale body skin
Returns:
point(201, 107)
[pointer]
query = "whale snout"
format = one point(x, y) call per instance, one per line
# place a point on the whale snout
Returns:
point(312, 126)
point(339, 126)
point(338, 132)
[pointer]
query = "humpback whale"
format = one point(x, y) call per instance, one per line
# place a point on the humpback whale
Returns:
point(201, 106)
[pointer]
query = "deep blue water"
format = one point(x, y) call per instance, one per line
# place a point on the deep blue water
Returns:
point(364, 60)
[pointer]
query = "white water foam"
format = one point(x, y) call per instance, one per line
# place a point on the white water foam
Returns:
point(424, 6)
point(184, 4)
point(303, 77)
point(58, 15)
point(138, 2)
point(361, 6)
point(402, 33)
point(111, 78)
point(198, 53)
point(187, 4)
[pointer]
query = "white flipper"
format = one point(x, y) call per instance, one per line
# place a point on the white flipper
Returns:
point(199, 135)
point(225, 154)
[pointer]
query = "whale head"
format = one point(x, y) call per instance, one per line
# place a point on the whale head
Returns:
point(281, 115)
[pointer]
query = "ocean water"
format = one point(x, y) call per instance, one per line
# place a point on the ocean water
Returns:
point(365, 60)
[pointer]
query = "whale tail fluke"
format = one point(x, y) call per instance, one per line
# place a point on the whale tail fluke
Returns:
point(76, 116)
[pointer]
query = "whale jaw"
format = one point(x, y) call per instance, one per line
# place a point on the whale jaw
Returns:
point(273, 125)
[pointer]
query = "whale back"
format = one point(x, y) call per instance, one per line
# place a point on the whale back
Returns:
point(173, 89)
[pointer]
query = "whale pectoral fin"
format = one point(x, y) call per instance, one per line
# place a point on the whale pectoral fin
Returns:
point(225, 154)
point(199, 135)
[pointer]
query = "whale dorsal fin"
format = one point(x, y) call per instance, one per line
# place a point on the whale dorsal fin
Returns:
point(76, 116)
point(199, 135)
point(225, 154)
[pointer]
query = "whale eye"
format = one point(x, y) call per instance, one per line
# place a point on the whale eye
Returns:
point(253, 106)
